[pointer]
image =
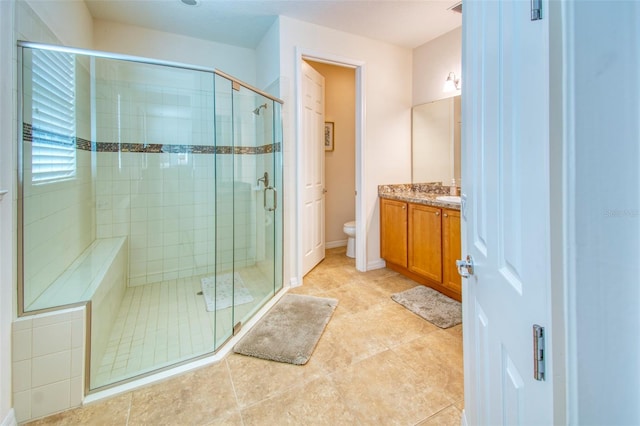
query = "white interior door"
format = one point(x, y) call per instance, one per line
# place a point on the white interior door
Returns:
point(313, 241)
point(506, 214)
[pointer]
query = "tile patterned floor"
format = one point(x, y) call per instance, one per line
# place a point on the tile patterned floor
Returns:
point(376, 363)
point(162, 324)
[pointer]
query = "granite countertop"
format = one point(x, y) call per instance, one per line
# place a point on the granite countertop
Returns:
point(420, 193)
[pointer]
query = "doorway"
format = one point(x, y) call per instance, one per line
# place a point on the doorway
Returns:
point(357, 165)
point(339, 150)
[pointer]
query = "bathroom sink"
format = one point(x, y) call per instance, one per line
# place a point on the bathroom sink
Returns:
point(449, 199)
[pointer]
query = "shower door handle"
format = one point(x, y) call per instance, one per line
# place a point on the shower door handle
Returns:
point(275, 199)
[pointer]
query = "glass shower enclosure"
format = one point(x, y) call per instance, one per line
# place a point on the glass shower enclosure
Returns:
point(148, 192)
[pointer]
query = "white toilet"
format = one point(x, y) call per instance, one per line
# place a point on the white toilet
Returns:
point(349, 228)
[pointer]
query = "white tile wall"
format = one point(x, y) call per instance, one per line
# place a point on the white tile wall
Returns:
point(48, 363)
point(57, 214)
point(167, 208)
point(166, 202)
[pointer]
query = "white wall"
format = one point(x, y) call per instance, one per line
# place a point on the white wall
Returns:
point(268, 59)
point(432, 62)
point(603, 214)
point(238, 62)
point(387, 128)
point(58, 15)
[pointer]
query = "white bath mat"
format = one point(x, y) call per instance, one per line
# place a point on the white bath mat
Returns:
point(224, 296)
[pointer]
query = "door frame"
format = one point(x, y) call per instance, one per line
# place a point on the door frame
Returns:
point(359, 66)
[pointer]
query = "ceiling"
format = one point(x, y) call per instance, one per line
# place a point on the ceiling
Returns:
point(407, 23)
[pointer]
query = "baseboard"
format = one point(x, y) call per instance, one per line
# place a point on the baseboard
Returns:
point(463, 418)
point(10, 419)
point(376, 264)
point(293, 282)
point(334, 244)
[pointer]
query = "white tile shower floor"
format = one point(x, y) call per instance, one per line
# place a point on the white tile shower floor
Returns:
point(166, 323)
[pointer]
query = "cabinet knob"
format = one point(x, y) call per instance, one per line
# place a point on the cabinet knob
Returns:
point(404, 207)
point(437, 213)
point(445, 215)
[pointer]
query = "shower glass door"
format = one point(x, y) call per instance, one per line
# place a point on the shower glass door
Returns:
point(149, 193)
point(248, 218)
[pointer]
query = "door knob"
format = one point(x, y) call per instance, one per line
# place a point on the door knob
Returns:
point(465, 267)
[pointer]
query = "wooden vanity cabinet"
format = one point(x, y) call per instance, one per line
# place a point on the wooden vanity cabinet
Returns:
point(393, 231)
point(451, 250)
point(423, 243)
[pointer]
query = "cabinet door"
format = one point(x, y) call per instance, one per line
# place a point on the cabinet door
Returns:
point(393, 231)
point(451, 250)
point(425, 241)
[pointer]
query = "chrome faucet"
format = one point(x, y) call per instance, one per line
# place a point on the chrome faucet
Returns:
point(264, 179)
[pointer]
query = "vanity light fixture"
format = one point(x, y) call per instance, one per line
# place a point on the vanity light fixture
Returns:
point(451, 84)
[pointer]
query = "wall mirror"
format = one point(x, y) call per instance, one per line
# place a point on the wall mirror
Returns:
point(435, 141)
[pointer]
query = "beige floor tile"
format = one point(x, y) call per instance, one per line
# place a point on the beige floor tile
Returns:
point(460, 405)
point(316, 403)
point(311, 291)
point(113, 411)
point(376, 363)
point(396, 325)
point(349, 339)
point(382, 390)
point(450, 416)
point(255, 380)
point(321, 281)
point(436, 363)
point(391, 282)
point(355, 296)
point(456, 330)
point(197, 397)
point(234, 419)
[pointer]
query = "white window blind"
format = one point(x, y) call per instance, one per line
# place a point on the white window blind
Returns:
point(53, 116)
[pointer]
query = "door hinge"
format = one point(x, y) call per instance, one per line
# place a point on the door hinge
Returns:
point(536, 10)
point(538, 352)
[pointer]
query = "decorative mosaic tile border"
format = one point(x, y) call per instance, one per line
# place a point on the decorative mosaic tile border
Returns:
point(85, 145)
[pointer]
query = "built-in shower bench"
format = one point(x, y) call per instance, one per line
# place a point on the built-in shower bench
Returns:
point(95, 282)
point(99, 273)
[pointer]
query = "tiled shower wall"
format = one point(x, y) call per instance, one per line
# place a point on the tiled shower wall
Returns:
point(58, 215)
point(166, 205)
point(148, 168)
point(165, 202)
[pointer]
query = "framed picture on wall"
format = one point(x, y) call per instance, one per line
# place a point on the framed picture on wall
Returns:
point(328, 136)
